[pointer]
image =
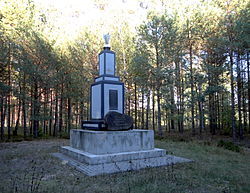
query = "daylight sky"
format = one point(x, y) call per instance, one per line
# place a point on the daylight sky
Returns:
point(70, 16)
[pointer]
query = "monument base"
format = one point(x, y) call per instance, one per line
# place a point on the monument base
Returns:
point(105, 152)
point(75, 158)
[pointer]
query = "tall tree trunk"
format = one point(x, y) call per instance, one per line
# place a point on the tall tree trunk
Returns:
point(69, 115)
point(178, 85)
point(3, 112)
point(9, 95)
point(248, 89)
point(36, 111)
point(81, 111)
point(244, 109)
point(55, 131)
point(18, 118)
point(153, 109)
point(182, 105)
point(201, 113)
point(129, 105)
point(159, 112)
point(239, 96)
point(9, 115)
point(148, 108)
point(166, 120)
point(31, 112)
point(24, 107)
point(142, 111)
point(61, 111)
point(51, 112)
point(192, 87)
point(135, 105)
point(77, 114)
point(232, 96)
point(45, 111)
point(172, 107)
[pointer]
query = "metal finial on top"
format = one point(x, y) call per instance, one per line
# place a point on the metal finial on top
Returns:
point(106, 38)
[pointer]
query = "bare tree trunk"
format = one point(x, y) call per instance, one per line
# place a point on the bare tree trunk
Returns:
point(129, 105)
point(232, 96)
point(81, 111)
point(192, 88)
point(61, 111)
point(55, 131)
point(24, 107)
point(3, 112)
point(178, 83)
point(9, 115)
point(77, 114)
point(248, 89)
point(239, 81)
point(201, 112)
point(31, 112)
point(51, 113)
point(9, 98)
point(148, 108)
point(18, 118)
point(159, 112)
point(153, 109)
point(36, 111)
point(182, 106)
point(135, 105)
point(69, 115)
point(172, 107)
point(142, 116)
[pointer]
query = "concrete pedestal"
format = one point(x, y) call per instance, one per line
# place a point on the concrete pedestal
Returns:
point(106, 142)
point(104, 152)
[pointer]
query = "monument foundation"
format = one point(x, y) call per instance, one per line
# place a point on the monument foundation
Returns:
point(104, 152)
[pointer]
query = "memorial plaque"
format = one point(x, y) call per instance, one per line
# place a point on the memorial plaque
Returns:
point(113, 100)
point(118, 121)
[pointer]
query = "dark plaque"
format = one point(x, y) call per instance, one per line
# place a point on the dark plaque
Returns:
point(113, 100)
point(118, 121)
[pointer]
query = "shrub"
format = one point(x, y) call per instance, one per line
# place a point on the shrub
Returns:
point(228, 145)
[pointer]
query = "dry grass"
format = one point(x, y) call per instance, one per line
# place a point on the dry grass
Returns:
point(29, 167)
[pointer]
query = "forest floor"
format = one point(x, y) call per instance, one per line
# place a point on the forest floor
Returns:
point(28, 166)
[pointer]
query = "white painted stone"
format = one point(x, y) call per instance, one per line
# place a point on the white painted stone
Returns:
point(96, 102)
point(108, 87)
point(110, 64)
point(121, 166)
point(101, 64)
point(90, 125)
point(107, 142)
point(98, 79)
point(105, 152)
point(109, 158)
point(111, 78)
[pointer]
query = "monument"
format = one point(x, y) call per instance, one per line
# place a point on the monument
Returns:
point(107, 93)
point(106, 144)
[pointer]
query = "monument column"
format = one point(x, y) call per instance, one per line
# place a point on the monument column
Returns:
point(107, 92)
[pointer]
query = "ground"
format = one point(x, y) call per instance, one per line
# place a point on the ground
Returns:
point(28, 166)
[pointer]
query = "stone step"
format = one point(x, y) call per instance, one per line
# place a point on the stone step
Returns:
point(110, 158)
point(122, 166)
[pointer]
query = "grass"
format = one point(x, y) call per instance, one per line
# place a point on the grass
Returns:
point(28, 167)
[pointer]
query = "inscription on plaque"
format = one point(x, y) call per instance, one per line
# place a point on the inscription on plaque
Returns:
point(118, 121)
point(113, 100)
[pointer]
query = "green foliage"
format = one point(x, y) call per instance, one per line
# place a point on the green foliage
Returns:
point(229, 145)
